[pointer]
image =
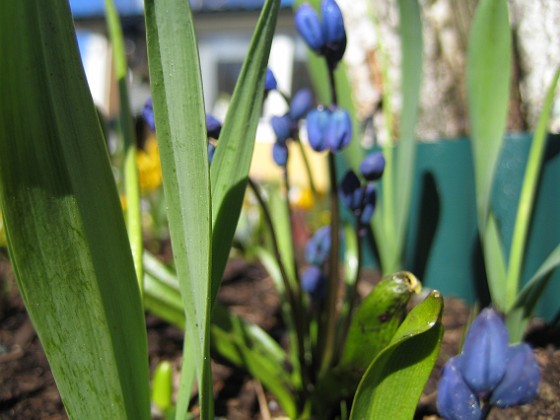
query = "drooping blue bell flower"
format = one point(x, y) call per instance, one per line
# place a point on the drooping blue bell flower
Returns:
point(313, 281)
point(213, 126)
point(318, 247)
point(280, 153)
point(370, 198)
point(282, 127)
point(520, 383)
point(350, 191)
point(309, 27)
point(455, 400)
point(484, 358)
point(334, 34)
point(270, 81)
point(301, 103)
point(148, 114)
point(372, 166)
point(329, 129)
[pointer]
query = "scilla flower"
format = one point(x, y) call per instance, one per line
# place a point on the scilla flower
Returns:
point(372, 166)
point(327, 36)
point(270, 81)
point(329, 129)
point(280, 153)
point(148, 114)
point(360, 199)
point(313, 281)
point(488, 372)
point(318, 247)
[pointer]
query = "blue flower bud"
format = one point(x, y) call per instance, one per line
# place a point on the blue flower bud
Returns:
point(334, 33)
point(350, 191)
point(280, 153)
point(213, 126)
point(301, 104)
point(313, 281)
point(148, 114)
point(282, 127)
point(484, 358)
point(455, 400)
point(372, 166)
point(309, 27)
point(211, 150)
point(339, 131)
point(370, 197)
point(270, 81)
point(318, 121)
point(520, 383)
point(318, 247)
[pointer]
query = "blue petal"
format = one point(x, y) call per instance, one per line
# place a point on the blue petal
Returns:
point(317, 124)
point(282, 127)
point(333, 31)
point(339, 131)
point(270, 81)
point(211, 151)
point(350, 191)
point(213, 126)
point(280, 153)
point(372, 166)
point(148, 114)
point(301, 103)
point(484, 358)
point(308, 25)
point(370, 198)
point(455, 400)
point(313, 281)
point(520, 384)
point(318, 247)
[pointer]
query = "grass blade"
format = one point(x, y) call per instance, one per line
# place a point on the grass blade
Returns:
point(232, 160)
point(488, 78)
point(63, 218)
point(180, 121)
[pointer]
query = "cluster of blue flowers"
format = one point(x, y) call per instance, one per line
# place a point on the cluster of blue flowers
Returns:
point(360, 197)
point(489, 372)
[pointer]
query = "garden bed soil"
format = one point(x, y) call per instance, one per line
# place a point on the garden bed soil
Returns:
point(28, 391)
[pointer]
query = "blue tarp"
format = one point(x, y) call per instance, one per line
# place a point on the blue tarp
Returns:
point(83, 9)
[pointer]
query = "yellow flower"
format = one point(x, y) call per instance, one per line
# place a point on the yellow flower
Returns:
point(149, 165)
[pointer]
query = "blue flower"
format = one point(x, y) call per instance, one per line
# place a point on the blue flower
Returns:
point(302, 102)
point(455, 400)
point(329, 129)
point(487, 372)
point(350, 192)
point(313, 281)
point(148, 114)
point(327, 36)
point(370, 198)
point(318, 247)
point(211, 150)
point(280, 153)
point(372, 166)
point(270, 81)
point(309, 27)
point(282, 127)
point(213, 126)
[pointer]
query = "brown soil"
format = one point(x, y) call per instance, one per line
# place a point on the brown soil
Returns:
point(28, 391)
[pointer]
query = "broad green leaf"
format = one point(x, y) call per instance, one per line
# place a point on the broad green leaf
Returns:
point(411, 74)
point(404, 365)
point(66, 233)
point(488, 79)
point(495, 262)
point(527, 197)
point(128, 138)
point(232, 159)
point(518, 317)
point(180, 121)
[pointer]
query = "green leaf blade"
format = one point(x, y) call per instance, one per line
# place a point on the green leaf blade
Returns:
point(405, 364)
point(180, 120)
point(66, 232)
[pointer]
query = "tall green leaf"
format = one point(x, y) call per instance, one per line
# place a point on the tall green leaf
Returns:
point(488, 79)
point(404, 365)
point(411, 74)
point(180, 121)
point(232, 160)
point(66, 233)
